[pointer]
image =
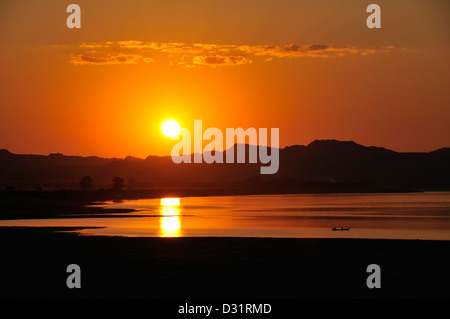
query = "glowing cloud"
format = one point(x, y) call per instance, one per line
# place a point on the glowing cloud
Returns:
point(201, 54)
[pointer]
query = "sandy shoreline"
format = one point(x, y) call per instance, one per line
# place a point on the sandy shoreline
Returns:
point(34, 262)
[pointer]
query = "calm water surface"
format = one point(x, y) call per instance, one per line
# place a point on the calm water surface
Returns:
point(396, 216)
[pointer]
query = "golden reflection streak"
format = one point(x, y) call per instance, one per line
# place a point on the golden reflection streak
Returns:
point(170, 223)
point(170, 201)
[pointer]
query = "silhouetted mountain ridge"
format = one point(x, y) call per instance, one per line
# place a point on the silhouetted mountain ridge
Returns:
point(322, 163)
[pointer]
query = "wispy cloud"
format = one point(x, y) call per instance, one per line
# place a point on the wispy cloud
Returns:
point(200, 54)
point(79, 59)
point(310, 50)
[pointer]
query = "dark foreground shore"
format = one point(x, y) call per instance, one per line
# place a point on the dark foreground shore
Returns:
point(34, 261)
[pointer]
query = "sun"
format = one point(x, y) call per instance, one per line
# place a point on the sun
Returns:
point(170, 128)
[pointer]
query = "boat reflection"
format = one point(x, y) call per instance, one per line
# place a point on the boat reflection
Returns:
point(170, 222)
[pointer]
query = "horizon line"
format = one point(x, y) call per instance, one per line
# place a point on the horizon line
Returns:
point(222, 151)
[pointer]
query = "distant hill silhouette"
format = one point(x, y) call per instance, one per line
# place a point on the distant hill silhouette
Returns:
point(322, 165)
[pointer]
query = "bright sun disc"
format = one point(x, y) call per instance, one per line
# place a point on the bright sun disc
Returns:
point(170, 128)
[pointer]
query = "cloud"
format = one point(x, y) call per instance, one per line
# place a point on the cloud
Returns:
point(310, 50)
point(95, 45)
point(217, 60)
point(148, 60)
point(207, 55)
point(81, 59)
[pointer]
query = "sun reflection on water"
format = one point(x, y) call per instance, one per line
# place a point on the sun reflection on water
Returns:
point(170, 223)
point(170, 202)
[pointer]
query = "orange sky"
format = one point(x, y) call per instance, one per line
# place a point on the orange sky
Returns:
point(311, 68)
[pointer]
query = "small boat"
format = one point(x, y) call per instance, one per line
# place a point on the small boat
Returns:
point(340, 229)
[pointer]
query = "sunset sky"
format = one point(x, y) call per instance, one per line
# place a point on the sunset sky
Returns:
point(309, 67)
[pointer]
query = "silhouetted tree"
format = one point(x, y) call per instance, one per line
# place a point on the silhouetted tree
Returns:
point(86, 182)
point(118, 183)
